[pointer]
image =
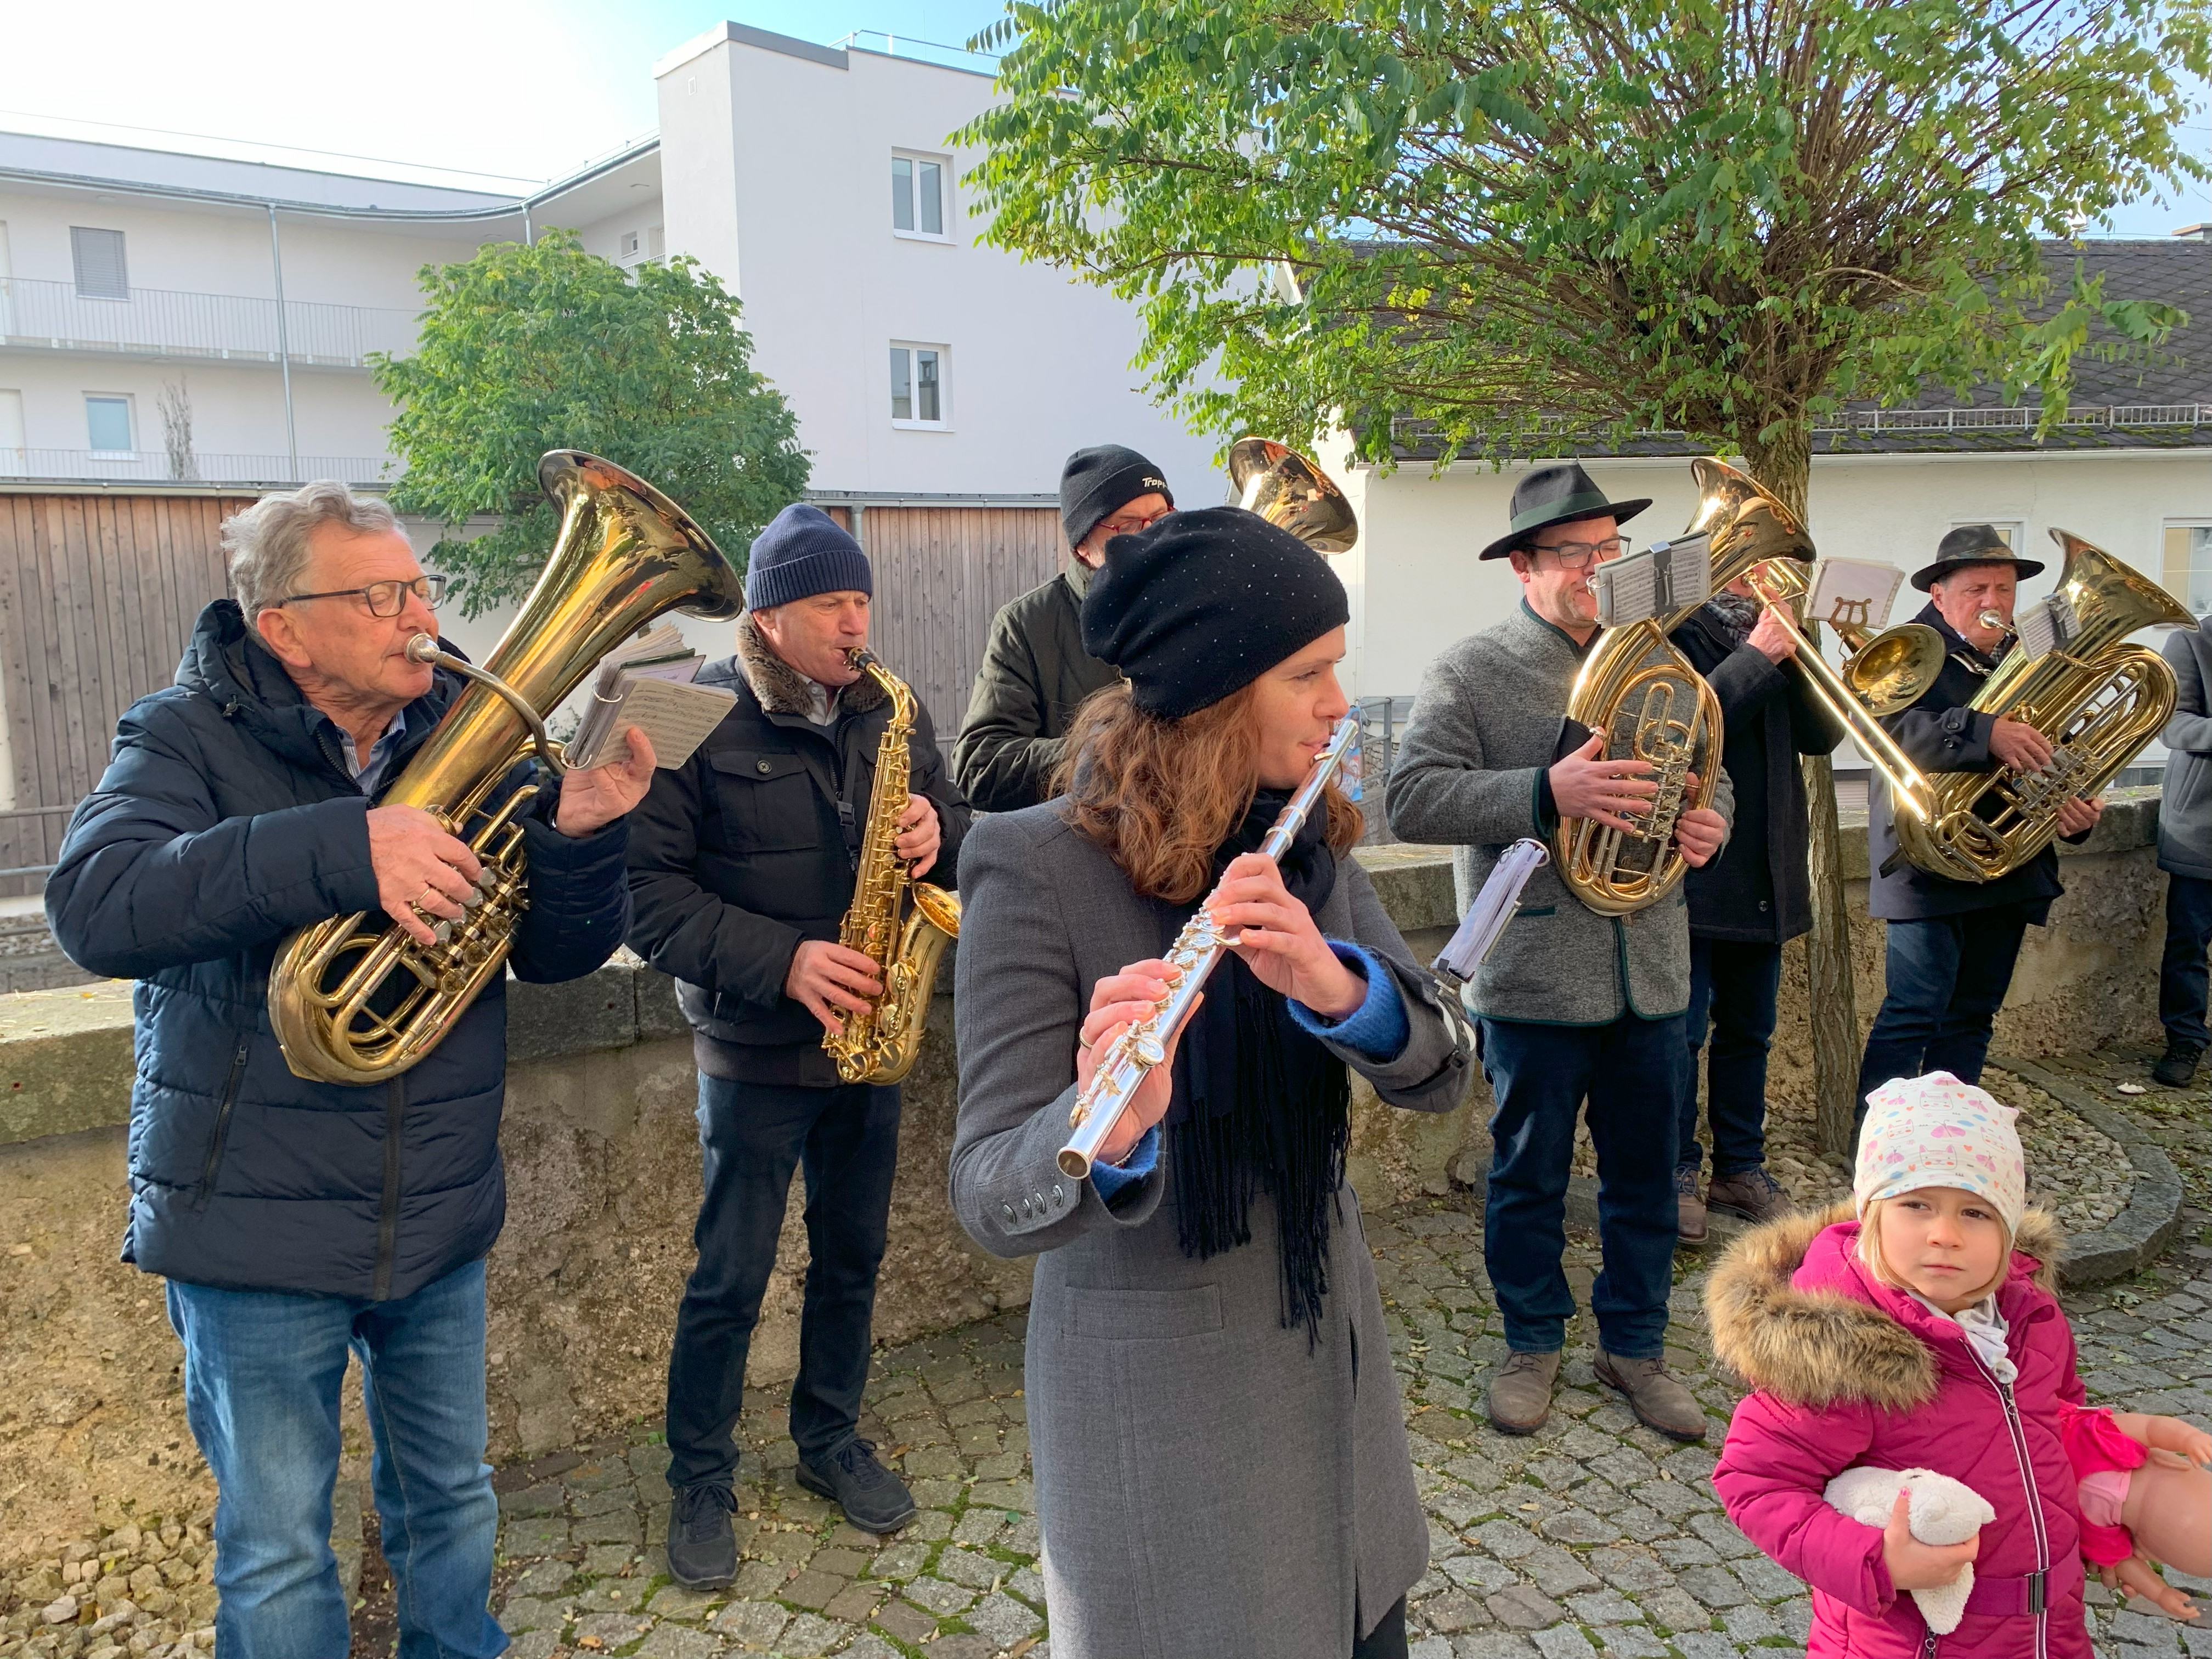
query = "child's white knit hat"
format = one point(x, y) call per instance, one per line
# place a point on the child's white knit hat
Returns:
point(1935, 1130)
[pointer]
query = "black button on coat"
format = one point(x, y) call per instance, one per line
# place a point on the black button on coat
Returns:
point(750, 848)
point(225, 820)
point(1759, 888)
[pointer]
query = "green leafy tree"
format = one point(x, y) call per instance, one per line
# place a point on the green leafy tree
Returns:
point(525, 349)
point(1519, 223)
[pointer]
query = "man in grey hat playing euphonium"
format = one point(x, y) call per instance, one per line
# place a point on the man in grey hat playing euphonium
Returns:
point(1574, 1005)
point(1952, 944)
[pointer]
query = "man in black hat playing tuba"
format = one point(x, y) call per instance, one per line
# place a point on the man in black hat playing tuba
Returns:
point(1573, 1004)
point(1952, 944)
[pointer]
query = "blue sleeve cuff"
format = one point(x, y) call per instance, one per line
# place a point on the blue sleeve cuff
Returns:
point(1377, 1028)
point(1113, 1179)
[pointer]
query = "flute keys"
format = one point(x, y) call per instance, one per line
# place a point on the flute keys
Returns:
point(1148, 1050)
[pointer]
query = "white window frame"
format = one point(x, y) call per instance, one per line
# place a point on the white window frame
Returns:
point(2167, 528)
point(130, 417)
point(943, 166)
point(914, 423)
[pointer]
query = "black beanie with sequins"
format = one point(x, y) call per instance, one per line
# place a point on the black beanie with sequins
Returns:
point(1203, 603)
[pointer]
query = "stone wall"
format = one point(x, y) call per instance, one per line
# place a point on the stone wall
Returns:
point(603, 1179)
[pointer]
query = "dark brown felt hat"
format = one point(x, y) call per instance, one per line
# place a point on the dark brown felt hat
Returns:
point(1972, 543)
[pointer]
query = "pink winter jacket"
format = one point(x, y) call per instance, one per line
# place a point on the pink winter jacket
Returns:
point(1850, 1373)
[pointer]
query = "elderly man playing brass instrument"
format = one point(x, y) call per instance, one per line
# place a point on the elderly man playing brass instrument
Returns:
point(1952, 944)
point(297, 1221)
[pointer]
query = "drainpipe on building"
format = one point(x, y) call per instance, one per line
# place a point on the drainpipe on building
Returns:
point(283, 345)
point(859, 526)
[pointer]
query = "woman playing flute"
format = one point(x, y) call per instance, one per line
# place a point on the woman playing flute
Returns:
point(1217, 1434)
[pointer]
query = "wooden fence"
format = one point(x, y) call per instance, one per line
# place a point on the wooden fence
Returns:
point(98, 593)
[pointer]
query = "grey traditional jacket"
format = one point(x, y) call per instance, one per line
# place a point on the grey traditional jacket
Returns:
point(2185, 815)
point(1470, 774)
point(1207, 1484)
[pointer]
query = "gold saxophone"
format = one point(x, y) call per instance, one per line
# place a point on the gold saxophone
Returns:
point(354, 999)
point(880, 1043)
point(2099, 701)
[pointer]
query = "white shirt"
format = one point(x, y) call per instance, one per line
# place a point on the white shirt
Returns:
point(1985, 1330)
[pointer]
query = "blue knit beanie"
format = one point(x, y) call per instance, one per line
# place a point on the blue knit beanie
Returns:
point(803, 552)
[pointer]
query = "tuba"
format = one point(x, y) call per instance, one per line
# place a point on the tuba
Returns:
point(878, 1044)
point(1292, 493)
point(1642, 695)
point(356, 998)
point(2098, 699)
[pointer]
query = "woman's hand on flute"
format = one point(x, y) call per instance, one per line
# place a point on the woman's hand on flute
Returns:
point(1279, 943)
point(1117, 1002)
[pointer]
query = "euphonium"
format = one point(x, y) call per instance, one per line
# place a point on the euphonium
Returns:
point(356, 1003)
point(880, 1043)
point(1292, 492)
point(2096, 698)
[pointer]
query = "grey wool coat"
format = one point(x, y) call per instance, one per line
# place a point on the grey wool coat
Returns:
point(2185, 815)
point(1470, 774)
point(1209, 1487)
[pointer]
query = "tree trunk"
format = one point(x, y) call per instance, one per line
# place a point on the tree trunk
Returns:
point(1785, 467)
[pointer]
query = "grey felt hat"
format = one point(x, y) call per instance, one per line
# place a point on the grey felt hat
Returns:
point(1559, 494)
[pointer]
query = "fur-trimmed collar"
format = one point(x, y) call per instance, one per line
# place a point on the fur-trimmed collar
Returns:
point(1823, 1348)
point(781, 689)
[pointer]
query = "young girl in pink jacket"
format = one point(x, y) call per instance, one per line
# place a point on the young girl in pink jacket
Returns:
point(1922, 1335)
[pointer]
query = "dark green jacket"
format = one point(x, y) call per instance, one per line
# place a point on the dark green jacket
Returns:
point(1034, 676)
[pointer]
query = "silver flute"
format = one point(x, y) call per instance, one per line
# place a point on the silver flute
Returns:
point(1127, 1061)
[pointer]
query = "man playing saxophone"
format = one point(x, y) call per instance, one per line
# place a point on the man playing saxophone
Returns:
point(1573, 1003)
point(297, 1220)
point(742, 865)
point(1952, 944)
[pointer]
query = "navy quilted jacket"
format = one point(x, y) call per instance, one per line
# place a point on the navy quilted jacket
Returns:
point(226, 819)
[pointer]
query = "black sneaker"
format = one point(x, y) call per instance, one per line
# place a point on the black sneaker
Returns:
point(873, 1498)
point(2178, 1065)
point(702, 1548)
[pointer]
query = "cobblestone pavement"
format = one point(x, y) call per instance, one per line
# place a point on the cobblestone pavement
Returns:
point(1594, 1536)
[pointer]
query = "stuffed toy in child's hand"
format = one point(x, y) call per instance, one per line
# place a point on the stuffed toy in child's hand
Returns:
point(1942, 1510)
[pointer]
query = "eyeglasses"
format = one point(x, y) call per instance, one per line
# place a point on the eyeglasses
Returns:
point(1131, 527)
point(1573, 555)
point(383, 598)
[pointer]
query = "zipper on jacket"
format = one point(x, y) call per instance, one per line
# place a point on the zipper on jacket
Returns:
point(222, 1127)
point(1928, 1646)
point(387, 1216)
point(2037, 1597)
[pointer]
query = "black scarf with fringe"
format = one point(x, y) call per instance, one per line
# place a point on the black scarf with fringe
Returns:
point(1260, 1104)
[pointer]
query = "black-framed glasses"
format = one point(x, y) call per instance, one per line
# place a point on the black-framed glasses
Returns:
point(1573, 555)
point(383, 599)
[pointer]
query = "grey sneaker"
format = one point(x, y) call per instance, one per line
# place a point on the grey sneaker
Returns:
point(1658, 1400)
point(1521, 1392)
point(873, 1498)
point(2178, 1065)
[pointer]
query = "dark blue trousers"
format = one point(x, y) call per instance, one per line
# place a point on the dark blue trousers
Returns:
point(1948, 976)
point(751, 1137)
point(2181, 975)
point(1630, 1073)
point(1734, 984)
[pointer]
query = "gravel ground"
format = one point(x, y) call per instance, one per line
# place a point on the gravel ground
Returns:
point(140, 1590)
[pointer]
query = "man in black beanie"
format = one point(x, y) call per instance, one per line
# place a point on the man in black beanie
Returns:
point(1035, 671)
point(742, 863)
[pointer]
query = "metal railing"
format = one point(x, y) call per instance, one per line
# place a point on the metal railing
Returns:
point(157, 466)
point(170, 322)
point(1414, 430)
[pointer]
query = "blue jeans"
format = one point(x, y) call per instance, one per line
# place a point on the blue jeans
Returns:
point(1948, 976)
point(751, 1137)
point(1631, 1073)
point(1735, 983)
point(2181, 975)
point(263, 1370)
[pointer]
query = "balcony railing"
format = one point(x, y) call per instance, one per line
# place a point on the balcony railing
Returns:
point(157, 466)
point(166, 323)
point(1412, 430)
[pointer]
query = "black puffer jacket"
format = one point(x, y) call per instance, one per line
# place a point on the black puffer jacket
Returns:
point(750, 847)
point(225, 820)
point(1758, 889)
point(1034, 675)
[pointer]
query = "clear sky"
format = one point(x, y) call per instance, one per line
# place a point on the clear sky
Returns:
point(525, 88)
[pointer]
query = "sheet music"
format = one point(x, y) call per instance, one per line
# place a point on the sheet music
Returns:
point(1853, 593)
point(675, 716)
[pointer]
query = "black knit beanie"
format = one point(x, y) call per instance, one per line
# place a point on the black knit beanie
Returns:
point(803, 552)
point(1204, 602)
point(1095, 482)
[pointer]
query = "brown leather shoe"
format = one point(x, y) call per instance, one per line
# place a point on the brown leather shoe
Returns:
point(1752, 1194)
point(1689, 1208)
point(1658, 1400)
point(1521, 1392)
